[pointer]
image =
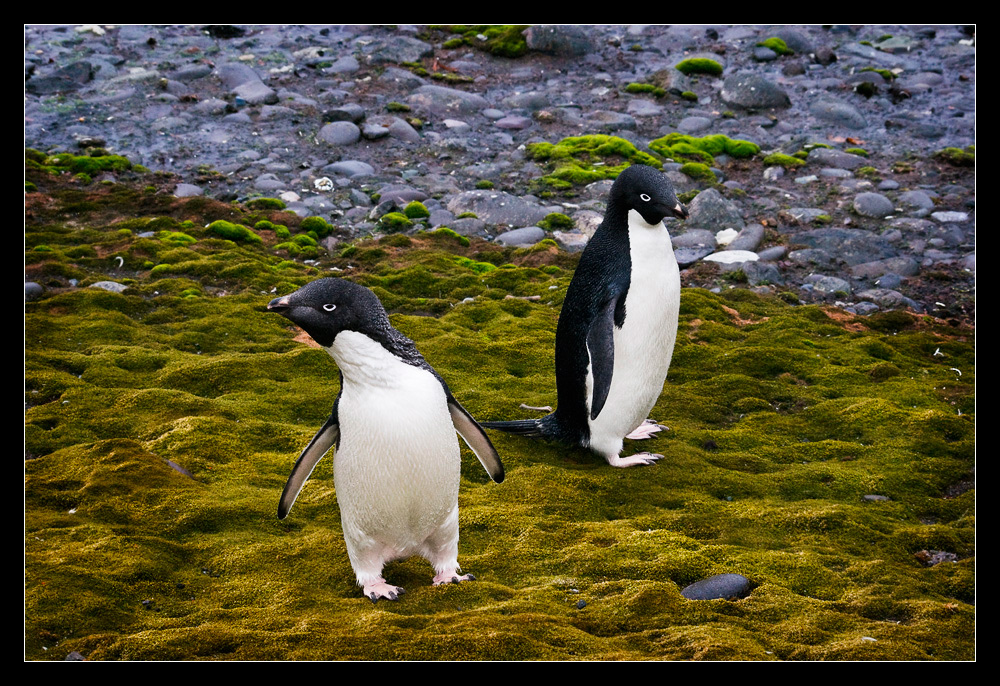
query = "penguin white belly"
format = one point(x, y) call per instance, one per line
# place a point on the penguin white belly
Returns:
point(397, 467)
point(645, 343)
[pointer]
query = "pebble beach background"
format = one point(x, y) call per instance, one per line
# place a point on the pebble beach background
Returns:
point(326, 117)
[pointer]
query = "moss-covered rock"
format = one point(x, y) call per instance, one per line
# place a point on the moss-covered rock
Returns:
point(232, 232)
point(777, 159)
point(581, 160)
point(700, 65)
point(503, 40)
point(416, 210)
point(777, 45)
point(681, 146)
point(394, 221)
point(957, 156)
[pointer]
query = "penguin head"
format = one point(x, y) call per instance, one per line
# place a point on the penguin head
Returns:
point(648, 192)
point(325, 307)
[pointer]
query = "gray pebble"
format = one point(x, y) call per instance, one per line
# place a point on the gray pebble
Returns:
point(873, 205)
point(32, 290)
point(187, 190)
point(112, 286)
point(340, 133)
point(751, 91)
point(521, 238)
point(838, 113)
point(720, 586)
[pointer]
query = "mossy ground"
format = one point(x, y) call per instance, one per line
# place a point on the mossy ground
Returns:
point(162, 422)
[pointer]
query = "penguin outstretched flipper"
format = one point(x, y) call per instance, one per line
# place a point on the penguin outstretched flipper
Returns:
point(474, 436)
point(327, 437)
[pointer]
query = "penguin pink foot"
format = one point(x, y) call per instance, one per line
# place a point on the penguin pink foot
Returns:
point(645, 430)
point(637, 460)
point(380, 589)
point(451, 576)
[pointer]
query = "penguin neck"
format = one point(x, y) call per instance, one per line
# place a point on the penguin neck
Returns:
point(363, 360)
point(636, 221)
point(617, 214)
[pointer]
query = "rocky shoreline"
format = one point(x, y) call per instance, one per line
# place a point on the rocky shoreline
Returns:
point(862, 195)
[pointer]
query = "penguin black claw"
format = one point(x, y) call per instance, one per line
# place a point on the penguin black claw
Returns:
point(618, 324)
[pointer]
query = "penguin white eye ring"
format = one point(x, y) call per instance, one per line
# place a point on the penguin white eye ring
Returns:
point(645, 198)
point(397, 462)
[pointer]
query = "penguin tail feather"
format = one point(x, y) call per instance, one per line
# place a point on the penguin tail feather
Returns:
point(521, 427)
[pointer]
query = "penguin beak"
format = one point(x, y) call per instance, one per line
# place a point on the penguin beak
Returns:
point(679, 211)
point(278, 304)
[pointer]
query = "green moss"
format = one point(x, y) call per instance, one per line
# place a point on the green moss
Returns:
point(321, 226)
point(884, 73)
point(700, 65)
point(777, 159)
point(690, 96)
point(467, 215)
point(681, 146)
point(478, 267)
point(266, 204)
point(416, 210)
point(555, 221)
point(503, 40)
point(394, 221)
point(450, 77)
point(396, 241)
point(698, 172)
point(445, 232)
point(176, 237)
point(581, 160)
point(397, 107)
point(232, 232)
point(645, 88)
point(866, 89)
point(484, 184)
point(868, 172)
point(161, 424)
point(777, 45)
point(857, 151)
point(957, 157)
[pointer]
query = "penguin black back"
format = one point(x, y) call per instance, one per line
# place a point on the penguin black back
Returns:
point(595, 306)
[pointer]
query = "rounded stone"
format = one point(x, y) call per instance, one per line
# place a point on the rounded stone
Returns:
point(340, 133)
point(873, 205)
point(720, 586)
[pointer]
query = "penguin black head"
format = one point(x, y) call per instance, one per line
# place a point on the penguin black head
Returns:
point(648, 192)
point(325, 307)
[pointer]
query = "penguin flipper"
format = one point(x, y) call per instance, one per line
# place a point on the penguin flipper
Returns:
point(325, 438)
point(474, 436)
point(601, 346)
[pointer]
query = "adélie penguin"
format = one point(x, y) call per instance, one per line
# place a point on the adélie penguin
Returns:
point(396, 457)
point(618, 325)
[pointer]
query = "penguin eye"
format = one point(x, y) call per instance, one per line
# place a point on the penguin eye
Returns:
point(329, 307)
point(645, 198)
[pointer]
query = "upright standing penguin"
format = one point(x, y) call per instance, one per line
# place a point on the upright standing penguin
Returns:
point(397, 461)
point(618, 325)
